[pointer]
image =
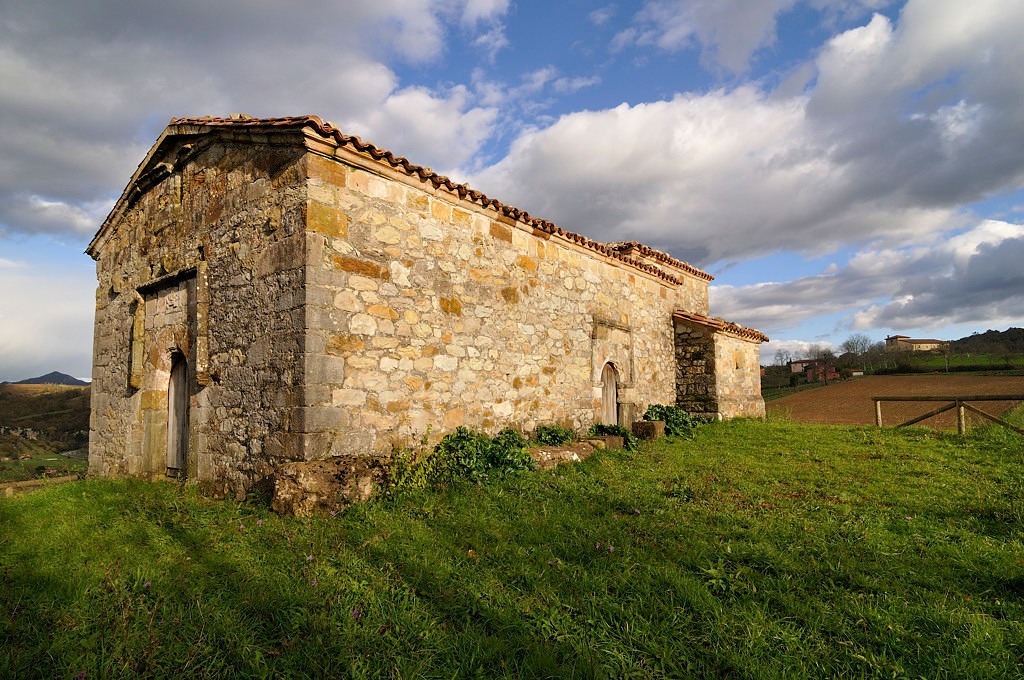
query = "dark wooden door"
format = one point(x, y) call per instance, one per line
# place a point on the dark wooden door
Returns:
point(609, 395)
point(177, 417)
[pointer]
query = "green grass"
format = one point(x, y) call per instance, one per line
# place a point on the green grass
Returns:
point(58, 415)
point(939, 362)
point(754, 550)
point(981, 364)
point(13, 468)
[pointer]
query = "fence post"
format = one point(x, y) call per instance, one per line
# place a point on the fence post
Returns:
point(961, 418)
point(878, 413)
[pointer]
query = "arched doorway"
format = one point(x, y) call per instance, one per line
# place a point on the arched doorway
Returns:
point(609, 395)
point(177, 417)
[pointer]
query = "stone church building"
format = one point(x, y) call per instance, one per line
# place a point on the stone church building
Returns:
point(273, 290)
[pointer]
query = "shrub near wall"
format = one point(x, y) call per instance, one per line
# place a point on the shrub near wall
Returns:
point(678, 422)
point(460, 455)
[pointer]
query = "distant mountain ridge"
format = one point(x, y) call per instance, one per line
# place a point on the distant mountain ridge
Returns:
point(53, 378)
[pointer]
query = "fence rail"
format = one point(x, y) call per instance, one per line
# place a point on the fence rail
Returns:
point(957, 402)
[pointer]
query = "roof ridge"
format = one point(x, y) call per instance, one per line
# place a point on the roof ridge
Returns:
point(658, 255)
point(462, 190)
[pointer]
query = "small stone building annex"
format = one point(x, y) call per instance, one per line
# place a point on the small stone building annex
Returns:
point(272, 290)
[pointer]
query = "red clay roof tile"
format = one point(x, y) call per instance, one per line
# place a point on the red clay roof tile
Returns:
point(721, 325)
point(462, 190)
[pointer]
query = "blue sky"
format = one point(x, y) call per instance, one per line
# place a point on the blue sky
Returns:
point(840, 166)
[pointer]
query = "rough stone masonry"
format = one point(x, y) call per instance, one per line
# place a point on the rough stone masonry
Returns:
point(272, 290)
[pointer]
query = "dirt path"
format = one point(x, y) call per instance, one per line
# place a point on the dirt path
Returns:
point(849, 402)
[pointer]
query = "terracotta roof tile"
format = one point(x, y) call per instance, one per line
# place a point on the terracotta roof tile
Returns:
point(328, 129)
point(721, 325)
point(647, 251)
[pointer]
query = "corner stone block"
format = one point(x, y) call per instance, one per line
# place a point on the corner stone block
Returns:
point(325, 369)
point(501, 232)
point(317, 418)
point(154, 400)
point(326, 170)
point(326, 220)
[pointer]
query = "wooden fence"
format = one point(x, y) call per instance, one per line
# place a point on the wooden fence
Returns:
point(959, 403)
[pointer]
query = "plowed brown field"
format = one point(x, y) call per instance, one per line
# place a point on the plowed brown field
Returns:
point(849, 402)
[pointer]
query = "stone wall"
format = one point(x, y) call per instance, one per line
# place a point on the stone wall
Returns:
point(737, 363)
point(696, 386)
point(717, 374)
point(427, 312)
point(213, 253)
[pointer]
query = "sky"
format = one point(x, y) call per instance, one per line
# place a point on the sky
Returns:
point(839, 166)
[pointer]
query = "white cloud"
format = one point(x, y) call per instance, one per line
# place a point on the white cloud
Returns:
point(85, 89)
point(570, 85)
point(492, 42)
point(602, 15)
point(45, 322)
point(421, 125)
point(42, 215)
point(709, 177)
point(522, 105)
point(796, 349)
point(487, 14)
point(887, 144)
point(484, 10)
point(729, 33)
point(973, 277)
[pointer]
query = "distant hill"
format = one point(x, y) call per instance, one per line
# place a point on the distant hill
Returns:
point(1010, 341)
point(53, 378)
point(43, 417)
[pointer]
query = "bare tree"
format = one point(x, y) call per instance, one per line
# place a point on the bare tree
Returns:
point(822, 352)
point(880, 354)
point(857, 344)
point(782, 357)
point(823, 357)
point(874, 356)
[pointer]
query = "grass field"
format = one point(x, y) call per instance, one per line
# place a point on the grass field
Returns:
point(754, 550)
point(57, 415)
point(51, 464)
point(981, 362)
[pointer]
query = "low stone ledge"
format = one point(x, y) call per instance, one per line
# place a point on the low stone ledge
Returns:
point(307, 487)
point(548, 457)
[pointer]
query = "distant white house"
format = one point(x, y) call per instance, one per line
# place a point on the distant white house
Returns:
point(799, 365)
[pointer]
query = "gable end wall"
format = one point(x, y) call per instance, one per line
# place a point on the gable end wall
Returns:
point(231, 220)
